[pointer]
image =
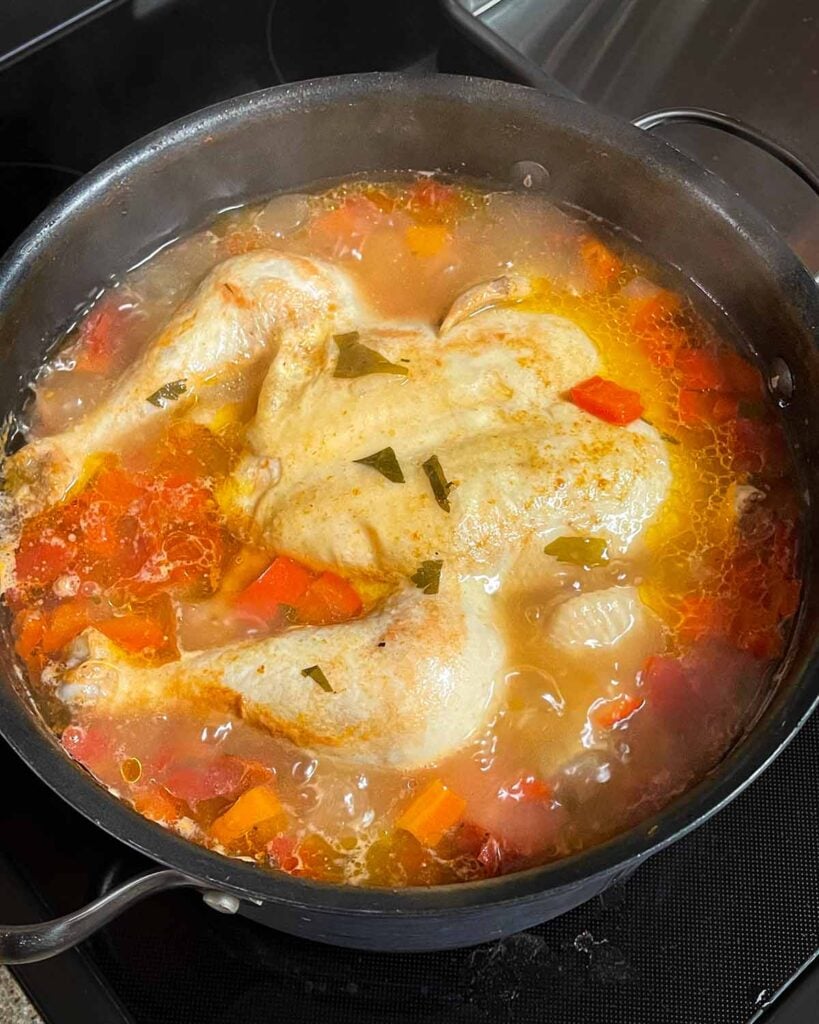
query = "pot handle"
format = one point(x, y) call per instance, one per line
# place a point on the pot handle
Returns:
point(733, 126)
point(27, 943)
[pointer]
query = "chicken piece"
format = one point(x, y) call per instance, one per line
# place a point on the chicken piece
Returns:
point(485, 398)
point(249, 308)
point(601, 618)
point(411, 681)
point(484, 395)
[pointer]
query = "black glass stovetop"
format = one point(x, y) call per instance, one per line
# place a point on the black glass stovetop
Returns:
point(707, 932)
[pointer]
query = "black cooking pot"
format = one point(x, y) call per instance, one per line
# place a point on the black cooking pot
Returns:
point(171, 183)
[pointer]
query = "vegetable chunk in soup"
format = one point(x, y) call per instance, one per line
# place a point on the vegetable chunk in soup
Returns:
point(398, 534)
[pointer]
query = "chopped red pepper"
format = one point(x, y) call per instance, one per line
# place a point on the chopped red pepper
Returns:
point(608, 401)
point(329, 599)
point(284, 582)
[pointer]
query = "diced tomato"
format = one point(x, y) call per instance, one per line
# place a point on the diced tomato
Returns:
point(528, 788)
point(346, 226)
point(89, 745)
point(699, 369)
point(97, 343)
point(65, 622)
point(29, 626)
point(698, 409)
point(431, 200)
point(197, 780)
point(319, 860)
point(282, 852)
point(135, 632)
point(602, 266)
point(328, 599)
point(657, 308)
point(702, 616)
point(608, 401)
point(40, 560)
point(667, 688)
point(284, 582)
point(609, 713)
point(740, 376)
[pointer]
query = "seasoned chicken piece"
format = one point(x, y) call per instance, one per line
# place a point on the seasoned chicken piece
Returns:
point(410, 682)
point(484, 395)
point(249, 308)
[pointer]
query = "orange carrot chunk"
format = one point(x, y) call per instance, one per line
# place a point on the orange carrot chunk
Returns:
point(607, 401)
point(284, 581)
point(432, 813)
point(253, 808)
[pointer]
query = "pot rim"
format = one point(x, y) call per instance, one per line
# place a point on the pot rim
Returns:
point(787, 711)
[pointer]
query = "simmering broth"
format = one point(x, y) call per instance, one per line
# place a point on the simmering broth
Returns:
point(449, 543)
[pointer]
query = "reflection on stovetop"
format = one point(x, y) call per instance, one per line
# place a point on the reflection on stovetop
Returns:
point(703, 934)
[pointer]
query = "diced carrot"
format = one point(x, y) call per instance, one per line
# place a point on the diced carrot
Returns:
point(285, 581)
point(701, 616)
point(65, 622)
point(426, 239)
point(253, 808)
point(612, 712)
point(602, 265)
point(157, 804)
point(328, 599)
point(608, 401)
point(699, 369)
point(434, 811)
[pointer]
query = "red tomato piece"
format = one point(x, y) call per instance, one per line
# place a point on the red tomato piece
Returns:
point(196, 780)
point(699, 369)
point(610, 713)
point(88, 745)
point(607, 401)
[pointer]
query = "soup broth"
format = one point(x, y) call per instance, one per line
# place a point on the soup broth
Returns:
point(619, 644)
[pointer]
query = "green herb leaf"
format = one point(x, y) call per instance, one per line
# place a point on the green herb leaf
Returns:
point(428, 576)
point(167, 393)
point(315, 673)
point(357, 360)
point(438, 482)
point(584, 551)
point(386, 463)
